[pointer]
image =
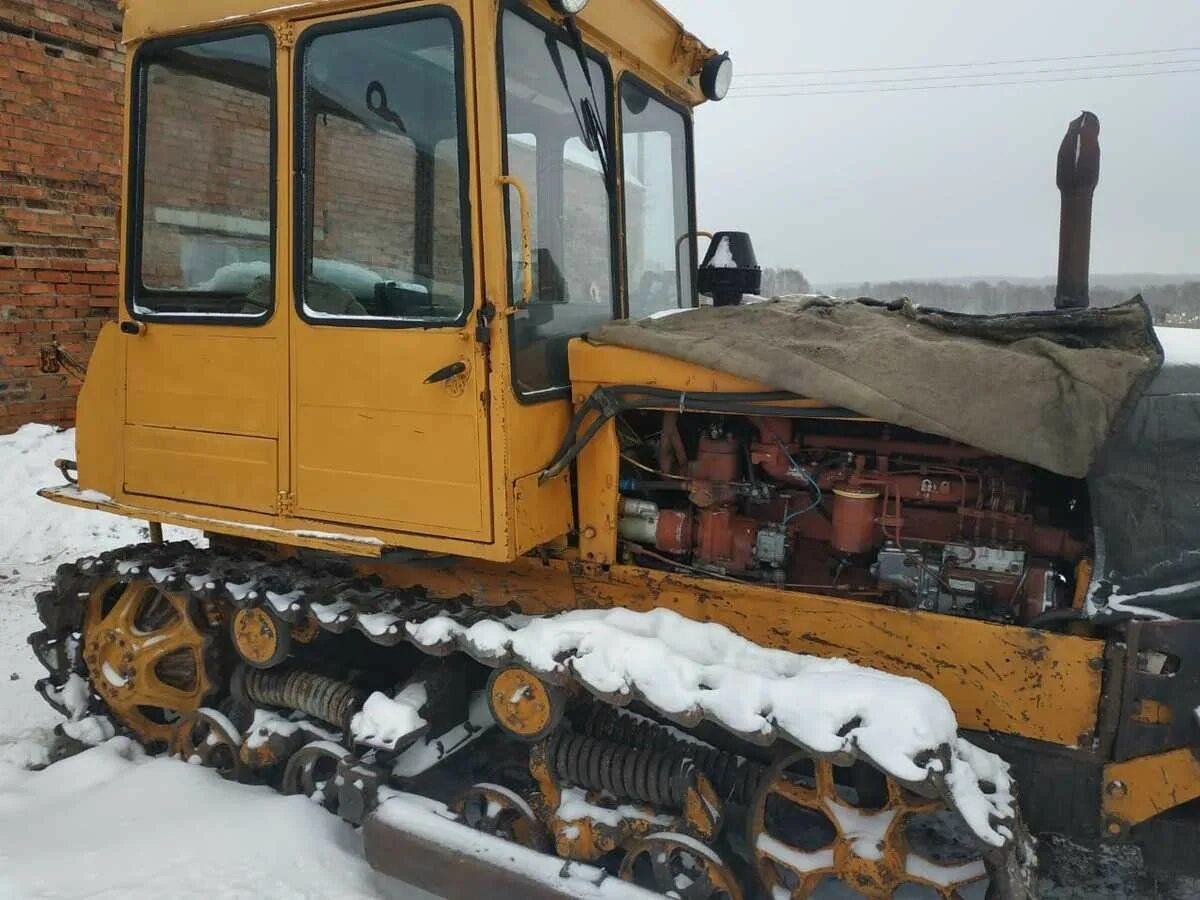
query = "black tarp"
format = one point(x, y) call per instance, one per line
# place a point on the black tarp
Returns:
point(1145, 490)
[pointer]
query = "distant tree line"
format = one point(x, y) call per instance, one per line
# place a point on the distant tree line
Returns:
point(781, 282)
point(1171, 304)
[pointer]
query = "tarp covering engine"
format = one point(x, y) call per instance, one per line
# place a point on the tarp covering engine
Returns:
point(1076, 392)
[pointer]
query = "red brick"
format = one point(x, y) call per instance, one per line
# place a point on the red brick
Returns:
point(61, 137)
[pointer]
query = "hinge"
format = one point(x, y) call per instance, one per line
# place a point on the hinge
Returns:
point(285, 503)
point(285, 36)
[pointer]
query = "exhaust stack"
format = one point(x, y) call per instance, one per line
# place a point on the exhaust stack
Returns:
point(1078, 175)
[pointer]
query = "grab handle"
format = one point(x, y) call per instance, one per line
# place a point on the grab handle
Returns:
point(526, 238)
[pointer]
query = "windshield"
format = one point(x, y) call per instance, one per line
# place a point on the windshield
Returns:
point(562, 160)
point(659, 233)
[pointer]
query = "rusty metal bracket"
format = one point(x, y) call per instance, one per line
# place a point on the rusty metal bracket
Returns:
point(66, 467)
point(1161, 689)
point(55, 359)
point(1140, 789)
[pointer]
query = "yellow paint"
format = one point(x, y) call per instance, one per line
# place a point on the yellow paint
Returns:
point(543, 511)
point(217, 469)
point(255, 635)
point(1141, 789)
point(123, 658)
point(98, 419)
point(216, 379)
point(522, 703)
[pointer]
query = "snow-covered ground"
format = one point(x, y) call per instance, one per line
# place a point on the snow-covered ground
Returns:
point(113, 823)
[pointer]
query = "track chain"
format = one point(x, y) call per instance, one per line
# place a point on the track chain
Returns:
point(298, 591)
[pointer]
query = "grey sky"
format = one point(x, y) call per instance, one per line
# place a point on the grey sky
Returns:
point(956, 182)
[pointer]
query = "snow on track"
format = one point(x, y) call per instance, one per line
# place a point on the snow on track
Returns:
point(691, 671)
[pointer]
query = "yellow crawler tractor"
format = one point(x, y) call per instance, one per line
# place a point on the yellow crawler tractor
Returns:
point(515, 553)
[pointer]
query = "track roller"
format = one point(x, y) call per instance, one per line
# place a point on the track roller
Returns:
point(523, 705)
point(208, 738)
point(678, 866)
point(498, 811)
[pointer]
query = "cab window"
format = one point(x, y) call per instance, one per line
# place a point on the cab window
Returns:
point(382, 184)
point(556, 117)
point(659, 231)
point(202, 222)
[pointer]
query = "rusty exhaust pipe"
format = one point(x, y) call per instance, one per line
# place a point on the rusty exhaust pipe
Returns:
point(1078, 175)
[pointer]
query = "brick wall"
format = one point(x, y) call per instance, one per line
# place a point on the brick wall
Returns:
point(61, 72)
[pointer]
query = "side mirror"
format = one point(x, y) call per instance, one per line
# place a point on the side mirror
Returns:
point(730, 269)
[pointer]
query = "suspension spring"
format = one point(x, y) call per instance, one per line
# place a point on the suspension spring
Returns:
point(325, 698)
point(628, 773)
point(734, 778)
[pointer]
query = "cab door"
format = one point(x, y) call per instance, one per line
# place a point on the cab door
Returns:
point(389, 419)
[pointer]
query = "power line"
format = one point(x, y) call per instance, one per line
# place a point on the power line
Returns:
point(963, 65)
point(942, 87)
point(963, 76)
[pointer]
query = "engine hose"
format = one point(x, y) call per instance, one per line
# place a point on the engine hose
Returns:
point(325, 698)
point(607, 402)
point(628, 773)
point(734, 778)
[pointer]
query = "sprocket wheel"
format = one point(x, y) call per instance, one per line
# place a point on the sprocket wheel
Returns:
point(496, 810)
point(679, 866)
point(803, 829)
point(146, 650)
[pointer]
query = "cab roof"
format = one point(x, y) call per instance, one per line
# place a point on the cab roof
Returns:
point(642, 31)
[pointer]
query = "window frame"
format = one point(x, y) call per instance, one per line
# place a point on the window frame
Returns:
point(689, 161)
point(301, 249)
point(615, 216)
point(136, 171)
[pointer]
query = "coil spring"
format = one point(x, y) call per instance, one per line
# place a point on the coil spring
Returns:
point(734, 778)
point(644, 776)
point(326, 698)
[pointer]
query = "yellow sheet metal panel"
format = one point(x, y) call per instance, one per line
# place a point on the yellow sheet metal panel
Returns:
point(255, 527)
point(98, 414)
point(416, 472)
point(596, 364)
point(375, 444)
point(204, 378)
point(543, 511)
point(998, 678)
point(218, 469)
point(1140, 789)
point(597, 470)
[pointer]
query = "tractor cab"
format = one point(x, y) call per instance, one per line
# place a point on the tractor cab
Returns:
point(358, 239)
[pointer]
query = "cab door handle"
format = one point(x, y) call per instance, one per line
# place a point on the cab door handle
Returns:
point(447, 372)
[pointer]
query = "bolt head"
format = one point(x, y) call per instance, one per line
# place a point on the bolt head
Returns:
point(1116, 788)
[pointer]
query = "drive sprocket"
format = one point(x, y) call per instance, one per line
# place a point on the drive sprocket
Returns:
point(147, 651)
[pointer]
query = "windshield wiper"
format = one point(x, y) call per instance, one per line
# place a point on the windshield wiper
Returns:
point(586, 114)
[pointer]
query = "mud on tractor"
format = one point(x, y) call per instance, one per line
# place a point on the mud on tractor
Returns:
point(508, 582)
